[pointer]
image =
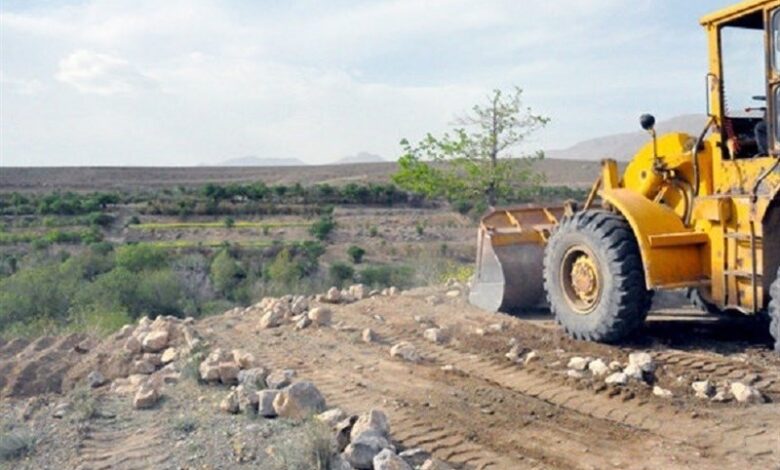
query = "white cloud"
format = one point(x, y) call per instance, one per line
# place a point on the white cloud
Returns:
point(203, 80)
point(103, 74)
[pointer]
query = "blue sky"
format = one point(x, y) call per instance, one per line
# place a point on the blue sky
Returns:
point(175, 82)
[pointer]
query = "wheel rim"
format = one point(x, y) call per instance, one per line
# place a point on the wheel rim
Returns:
point(581, 280)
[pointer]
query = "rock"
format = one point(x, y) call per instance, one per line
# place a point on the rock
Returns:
point(299, 400)
point(495, 328)
point(244, 359)
point(360, 452)
point(280, 378)
point(142, 366)
point(247, 399)
point(337, 462)
point(415, 457)
point(271, 318)
point(230, 404)
point(133, 345)
point(321, 316)
point(265, 403)
point(433, 300)
point(703, 389)
point(95, 379)
point(633, 371)
point(302, 322)
point(642, 360)
point(436, 335)
point(228, 372)
point(615, 366)
point(393, 291)
point(618, 378)
point(299, 305)
point(253, 378)
point(209, 371)
point(745, 393)
point(514, 353)
point(721, 397)
point(61, 409)
point(333, 296)
point(169, 355)
point(146, 397)
point(155, 341)
point(531, 357)
point(435, 464)
point(388, 460)
point(123, 332)
point(578, 363)
point(153, 358)
point(405, 351)
point(368, 335)
point(662, 392)
point(343, 431)
point(358, 291)
point(480, 332)
point(373, 422)
point(598, 368)
point(453, 294)
point(575, 374)
point(332, 417)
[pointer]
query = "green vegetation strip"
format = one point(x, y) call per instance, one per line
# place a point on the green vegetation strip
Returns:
point(217, 224)
point(170, 244)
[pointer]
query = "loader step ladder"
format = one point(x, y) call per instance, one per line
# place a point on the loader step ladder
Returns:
point(737, 241)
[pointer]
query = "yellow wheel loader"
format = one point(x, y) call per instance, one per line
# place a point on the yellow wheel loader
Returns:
point(688, 212)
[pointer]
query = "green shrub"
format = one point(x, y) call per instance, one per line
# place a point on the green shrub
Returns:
point(141, 256)
point(229, 222)
point(373, 231)
point(225, 272)
point(356, 253)
point(386, 276)
point(16, 444)
point(133, 220)
point(101, 219)
point(322, 227)
point(340, 273)
point(284, 269)
point(159, 293)
point(420, 227)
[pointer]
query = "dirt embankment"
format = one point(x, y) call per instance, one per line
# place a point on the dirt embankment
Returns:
point(486, 391)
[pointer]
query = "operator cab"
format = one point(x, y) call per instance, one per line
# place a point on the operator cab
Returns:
point(744, 72)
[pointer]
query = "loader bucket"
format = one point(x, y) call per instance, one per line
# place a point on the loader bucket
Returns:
point(510, 255)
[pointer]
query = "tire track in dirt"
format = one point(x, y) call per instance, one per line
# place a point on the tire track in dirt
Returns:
point(757, 442)
point(112, 443)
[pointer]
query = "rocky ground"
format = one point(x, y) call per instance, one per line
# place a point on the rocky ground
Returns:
point(391, 380)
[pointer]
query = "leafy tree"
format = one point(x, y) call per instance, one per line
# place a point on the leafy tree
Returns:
point(356, 253)
point(159, 293)
point(341, 273)
point(322, 227)
point(284, 269)
point(141, 256)
point(229, 222)
point(477, 160)
point(225, 272)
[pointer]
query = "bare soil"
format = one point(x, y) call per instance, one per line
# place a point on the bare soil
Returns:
point(483, 412)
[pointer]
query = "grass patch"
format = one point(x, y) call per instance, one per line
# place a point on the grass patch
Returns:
point(184, 424)
point(173, 244)
point(217, 224)
point(307, 446)
point(16, 444)
point(84, 405)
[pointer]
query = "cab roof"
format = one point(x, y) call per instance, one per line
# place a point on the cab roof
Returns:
point(735, 11)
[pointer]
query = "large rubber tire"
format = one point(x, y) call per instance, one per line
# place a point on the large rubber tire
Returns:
point(774, 311)
point(623, 303)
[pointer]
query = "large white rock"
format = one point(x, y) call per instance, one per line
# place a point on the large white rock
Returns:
point(155, 340)
point(662, 392)
point(618, 378)
point(579, 363)
point(321, 316)
point(703, 389)
point(272, 318)
point(388, 460)
point(642, 360)
point(405, 351)
point(228, 372)
point(633, 371)
point(230, 404)
point(361, 451)
point(299, 400)
point(265, 403)
point(332, 417)
point(598, 368)
point(146, 397)
point(374, 422)
point(333, 296)
point(436, 335)
point(745, 393)
point(358, 291)
point(253, 378)
point(244, 359)
point(280, 378)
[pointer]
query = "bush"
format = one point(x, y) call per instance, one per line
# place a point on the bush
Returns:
point(356, 253)
point(141, 256)
point(322, 227)
point(225, 273)
point(341, 273)
point(159, 293)
point(15, 445)
point(386, 276)
point(229, 222)
point(134, 220)
point(100, 219)
point(373, 231)
point(284, 270)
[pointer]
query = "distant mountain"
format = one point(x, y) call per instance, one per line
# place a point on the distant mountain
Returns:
point(625, 146)
point(255, 161)
point(362, 157)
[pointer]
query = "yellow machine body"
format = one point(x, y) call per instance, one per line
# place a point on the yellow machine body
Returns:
point(704, 216)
